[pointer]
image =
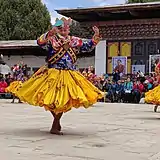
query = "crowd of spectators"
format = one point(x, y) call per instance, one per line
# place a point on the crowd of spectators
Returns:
point(19, 72)
point(126, 89)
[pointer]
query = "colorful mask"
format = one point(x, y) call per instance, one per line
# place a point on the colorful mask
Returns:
point(62, 26)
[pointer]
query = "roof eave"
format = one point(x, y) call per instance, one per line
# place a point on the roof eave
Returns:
point(17, 47)
point(145, 6)
point(18, 44)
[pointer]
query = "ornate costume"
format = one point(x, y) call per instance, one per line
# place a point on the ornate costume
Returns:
point(18, 79)
point(153, 96)
point(12, 88)
point(57, 86)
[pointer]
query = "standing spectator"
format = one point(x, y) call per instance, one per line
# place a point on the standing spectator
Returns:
point(116, 76)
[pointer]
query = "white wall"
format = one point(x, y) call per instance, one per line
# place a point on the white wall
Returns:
point(31, 61)
point(100, 58)
point(85, 62)
point(34, 61)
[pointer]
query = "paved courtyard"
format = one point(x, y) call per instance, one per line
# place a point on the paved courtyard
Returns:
point(104, 132)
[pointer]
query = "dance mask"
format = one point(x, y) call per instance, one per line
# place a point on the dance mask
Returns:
point(61, 29)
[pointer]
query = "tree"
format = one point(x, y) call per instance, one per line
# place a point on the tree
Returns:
point(77, 30)
point(141, 1)
point(23, 19)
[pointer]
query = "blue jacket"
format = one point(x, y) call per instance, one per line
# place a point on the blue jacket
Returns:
point(113, 88)
point(149, 86)
point(119, 88)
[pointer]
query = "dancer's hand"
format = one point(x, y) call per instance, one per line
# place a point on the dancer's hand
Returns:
point(96, 31)
point(52, 32)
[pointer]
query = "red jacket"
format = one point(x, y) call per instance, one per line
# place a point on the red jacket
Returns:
point(138, 87)
point(3, 85)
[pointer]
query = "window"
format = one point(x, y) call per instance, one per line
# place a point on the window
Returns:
point(138, 48)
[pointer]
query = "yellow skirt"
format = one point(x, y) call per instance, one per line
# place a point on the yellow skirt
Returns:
point(153, 96)
point(59, 90)
point(13, 87)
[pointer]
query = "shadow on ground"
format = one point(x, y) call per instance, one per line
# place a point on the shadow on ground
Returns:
point(37, 132)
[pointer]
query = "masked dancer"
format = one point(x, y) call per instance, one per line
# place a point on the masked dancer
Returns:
point(57, 86)
point(153, 96)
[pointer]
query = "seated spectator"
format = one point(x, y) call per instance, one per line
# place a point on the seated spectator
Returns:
point(84, 73)
point(119, 91)
point(122, 90)
point(155, 84)
point(8, 79)
point(138, 89)
point(140, 76)
point(98, 83)
point(105, 76)
point(128, 86)
point(107, 88)
point(111, 90)
point(3, 85)
point(148, 84)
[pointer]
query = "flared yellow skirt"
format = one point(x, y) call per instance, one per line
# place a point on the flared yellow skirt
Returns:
point(13, 87)
point(59, 90)
point(153, 96)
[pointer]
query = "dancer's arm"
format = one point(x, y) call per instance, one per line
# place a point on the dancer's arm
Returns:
point(89, 45)
point(43, 40)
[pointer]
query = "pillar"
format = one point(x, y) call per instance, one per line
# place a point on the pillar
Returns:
point(100, 58)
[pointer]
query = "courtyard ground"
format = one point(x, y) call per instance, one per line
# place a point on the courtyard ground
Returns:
point(104, 132)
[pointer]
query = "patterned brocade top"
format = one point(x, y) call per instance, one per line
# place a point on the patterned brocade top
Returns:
point(62, 52)
point(157, 69)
